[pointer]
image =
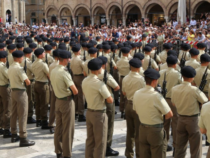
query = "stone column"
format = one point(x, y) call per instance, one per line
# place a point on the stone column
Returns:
point(74, 21)
point(108, 21)
point(166, 18)
point(124, 21)
point(92, 21)
point(16, 10)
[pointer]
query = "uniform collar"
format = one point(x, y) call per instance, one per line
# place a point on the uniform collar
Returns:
point(124, 57)
point(16, 63)
point(2, 63)
point(133, 73)
point(150, 88)
point(60, 66)
point(186, 83)
point(92, 75)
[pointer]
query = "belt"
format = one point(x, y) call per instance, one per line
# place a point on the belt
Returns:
point(32, 80)
point(156, 126)
point(66, 98)
point(42, 82)
point(78, 75)
point(17, 89)
point(122, 76)
point(7, 85)
point(102, 111)
point(196, 115)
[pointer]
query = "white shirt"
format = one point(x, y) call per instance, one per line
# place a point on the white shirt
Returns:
point(193, 22)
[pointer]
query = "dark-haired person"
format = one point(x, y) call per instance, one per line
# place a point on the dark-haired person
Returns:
point(193, 60)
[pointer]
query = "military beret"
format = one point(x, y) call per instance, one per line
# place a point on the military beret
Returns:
point(3, 54)
point(17, 54)
point(139, 44)
point(62, 47)
point(125, 50)
point(133, 45)
point(186, 47)
point(56, 53)
point(61, 39)
point(171, 60)
point(139, 56)
point(135, 63)
point(115, 40)
point(99, 46)
point(201, 45)
point(84, 44)
point(66, 39)
point(90, 45)
point(39, 40)
point(103, 59)
point(194, 51)
point(19, 40)
point(93, 42)
point(44, 39)
point(64, 54)
point(129, 37)
point(38, 51)
point(32, 45)
point(53, 44)
point(152, 73)
point(114, 47)
point(29, 40)
point(85, 39)
point(205, 58)
point(76, 48)
point(129, 46)
point(98, 37)
point(111, 43)
point(12, 37)
point(92, 50)
point(150, 45)
point(106, 47)
point(167, 46)
point(73, 39)
point(105, 42)
point(9, 42)
point(144, 35)
point(56, 39)
point(47, 47)
point(11, 47)
point(188, 72)
point(19, 45)
point(2, 40)
point(95, 64)
point(172, 52)
point(27, 50)
point(49, 40)
point(147, 49)
point(120, 45)
point(6, 35)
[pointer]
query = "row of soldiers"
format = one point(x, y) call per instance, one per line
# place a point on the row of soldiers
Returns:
point(38, 68)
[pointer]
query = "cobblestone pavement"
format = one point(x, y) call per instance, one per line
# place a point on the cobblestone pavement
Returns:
point(44, 147)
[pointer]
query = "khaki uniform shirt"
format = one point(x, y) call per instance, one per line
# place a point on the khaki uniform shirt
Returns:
point(40, 70)
point(199, 74)
point(39, 46)
point(163, 56)
point(111, 83)
point(76, 65)
point(184, 54)
point(123, 66)
point(186, 97)
point(150, 106)
point(141, 72)
point(61, 81)
point(53, 65)
point(165, 66)
point(50, 59)
point(85, 65)
point(144, 43)
point(193, 63)
point(10, 59)
point(173, 78)
point(204, 119)
point(200, 53)
point(109, 60)
point(4, 79)
point(28, 66)
point(95, 92)
point(147, 59)
point(17, 76)
point(160, 38)
point(131, 83)
point(157, 56)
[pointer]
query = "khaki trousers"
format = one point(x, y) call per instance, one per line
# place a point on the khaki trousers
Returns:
point(79, 98)
point(152, 142)
point(208, 154)
point(110, 111)
point(30, 100)
point(5, 105)
point(96, 134)
point(187, 129)
point(52, 107)
point(173, 124)
point(122, 97)
point(19, 111)
point(41, 90)
point(1, 113)
point(116, 77)
point(64, 130)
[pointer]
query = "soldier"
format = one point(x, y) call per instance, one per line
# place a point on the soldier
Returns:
point(193, 60)
point(77, 70)
point(5, 96)
point(27, 66)
point(52, 93)
point(11, 48)
point(123, 69)
point(140, 56)
point(96, 92)
point(201, 48)
point(112, 86)
point(144, 40)
point(131, 83)
point(184, 52)
point(20, 46)
point(64, 89)
point(19, 97)
point(150, 107)
point(186, 98)
point(163, 54)
point(41, 88)
point(172, 78)
point(48, 58)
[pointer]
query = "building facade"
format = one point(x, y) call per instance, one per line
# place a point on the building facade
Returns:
point(35, 11)
point(113, 11)
point(11, 10)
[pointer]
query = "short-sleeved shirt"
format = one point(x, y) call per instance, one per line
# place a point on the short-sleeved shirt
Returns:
point(204, 119)
point(123, 66)
point(28, 66)
point(61, 81)
point(147, 59)
point(49, 58)
point(17, 76)
point(186, 98)
point(95, 92)
point(141, 71)
point(163, 56)
point(4, 79)
point(199, 55)
point(157, 56)
point(131, 83)
point(10, 59)
point(193, 63)
point(85, 65)
point(165, 66)
point(185, 55)
point(150, 106)
point(77, 65)
point(109, 60)
point(40, 70)
point(53, 65)
point(173, 78)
